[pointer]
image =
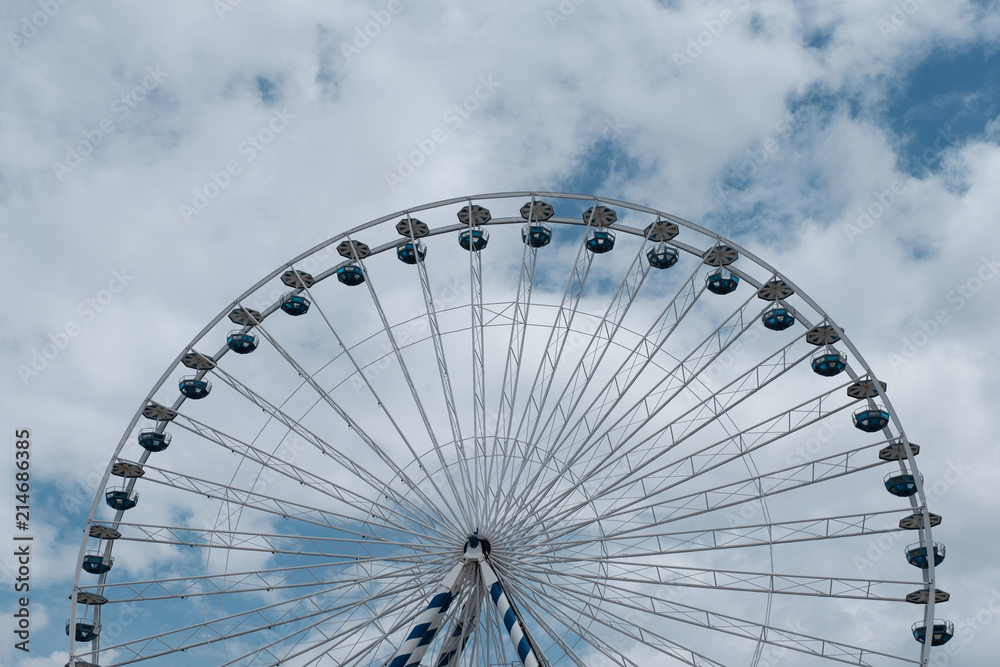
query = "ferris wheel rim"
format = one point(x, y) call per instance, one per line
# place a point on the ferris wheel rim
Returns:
point(238, 303)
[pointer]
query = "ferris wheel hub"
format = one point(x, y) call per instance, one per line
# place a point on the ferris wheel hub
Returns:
point(477, 546)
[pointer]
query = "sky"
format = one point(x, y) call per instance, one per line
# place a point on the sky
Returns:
point(157, 159)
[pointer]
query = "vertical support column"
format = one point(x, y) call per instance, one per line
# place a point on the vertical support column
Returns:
point(466, 625)
point(478, 368)
point(515, 626)
point(412, 650)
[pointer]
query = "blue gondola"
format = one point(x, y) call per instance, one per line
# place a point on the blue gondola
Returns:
point(95, 562)
point(194, 388)
point(241, 343)
point(600, 240)
point(119, 499)
point(411, 252)
point(479, 238)
point(85, 632)
point(871, 420)
point(916, 555)
point(942, 632)
point(903, 485)
point(722, 282)
point(662, 256)
point(829, 364)
point(778, 319)
point(295, 304)
point(536, 235)
point(153, 441)
point(351, 275)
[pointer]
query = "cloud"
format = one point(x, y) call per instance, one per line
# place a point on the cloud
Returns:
point(768, 122)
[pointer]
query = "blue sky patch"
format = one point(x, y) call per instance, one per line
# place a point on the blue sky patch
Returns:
point(267, 90)
point(945, 101)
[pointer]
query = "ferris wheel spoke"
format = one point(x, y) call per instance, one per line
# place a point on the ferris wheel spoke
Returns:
point(379, 451)
point(606, 618)
point(556, 343)
point(711, 457)
point(478, 359)
point(224, 583)
point(492, 638)
point(342, 632)
point(618, 384)
point(512, 371)
point(469, 632)
point(730, 537)
point(382, 404)
point(607, 398)
point(442, 364)
point(461, 629)
point(642, 410)
point(539, 622)
point(464, 597)
point(598, 343)
point(713, 407)
point(350, 499)
point(240, 624)
point(414, 394)
point(269, 504)
point(375, 481)
point(544, 605)
point(728, 496)
point(544, 376)
point(624, 572)
point(412, 606)
point(274, 543)
point(786, 638)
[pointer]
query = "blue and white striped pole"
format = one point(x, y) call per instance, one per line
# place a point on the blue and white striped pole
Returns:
point(412, 650)
point(514, 626)
point(455, 644)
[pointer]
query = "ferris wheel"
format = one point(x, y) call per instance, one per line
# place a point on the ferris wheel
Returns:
point(520, 428)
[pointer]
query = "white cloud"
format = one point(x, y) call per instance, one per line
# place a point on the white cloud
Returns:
point(606, 81)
